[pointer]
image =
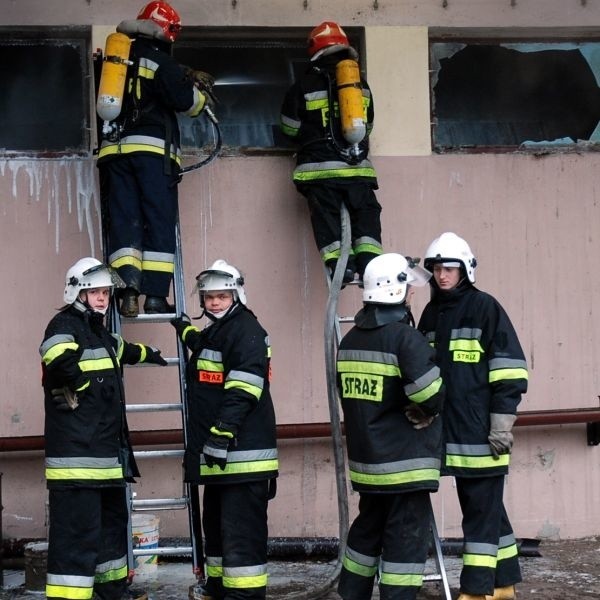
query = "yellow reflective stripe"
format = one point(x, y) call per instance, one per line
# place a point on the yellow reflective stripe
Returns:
point(71, 593)
point(53, 473)
point(125, 261)
point(500, 374)
point(431, 390)
point(402, 579)
point(187, 330)
point(96, 364)
point(508, 552)
point(327, 173)
point(129, 148)
point(291, 131)
point(157, 265)
point(479, 560)
point(145, 72)
point(214, 571)
point(317, 104)
point(253, 390)
point(358, 569)
point(477, 462)
point(142, 352)
point(209, 365)
point(255, 581)
point(395, 478)
point(346, 366)
point(111, 575)
point(367, 248)
point(258, 466)
point(466, 345)
point(58, 350)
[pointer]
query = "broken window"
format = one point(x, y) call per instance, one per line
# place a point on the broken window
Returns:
point(44, 105)
point(253, 68)
point(514, 94)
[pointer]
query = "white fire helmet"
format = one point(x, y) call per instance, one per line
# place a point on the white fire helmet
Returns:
point(86, 274)
point(221, 276)
point(387, 277)
point(451, 250)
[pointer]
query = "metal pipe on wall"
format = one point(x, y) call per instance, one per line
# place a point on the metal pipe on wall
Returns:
point(295, 431)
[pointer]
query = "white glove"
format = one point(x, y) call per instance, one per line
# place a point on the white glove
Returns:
point(501, 437)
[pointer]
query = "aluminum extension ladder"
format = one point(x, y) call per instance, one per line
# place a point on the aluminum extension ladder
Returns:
point(334, 321)
point(189, 499)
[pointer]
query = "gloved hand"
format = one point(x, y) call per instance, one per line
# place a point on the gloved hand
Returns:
point(205, 81)
point(501, 437)
point(153, 357)
point(180, 323)
point(64, 398)
point(216, 445)
point(418, 417)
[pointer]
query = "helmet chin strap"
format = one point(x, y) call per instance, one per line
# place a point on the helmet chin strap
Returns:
point(214, 317)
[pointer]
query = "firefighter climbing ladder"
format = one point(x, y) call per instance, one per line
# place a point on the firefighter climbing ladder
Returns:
point(189, 498)
point(333, 338)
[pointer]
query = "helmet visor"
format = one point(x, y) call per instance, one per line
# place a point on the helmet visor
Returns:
point(114, 276)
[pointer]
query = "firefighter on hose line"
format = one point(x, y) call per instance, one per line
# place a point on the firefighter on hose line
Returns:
point(88, 452)
point(332, 164)
point(391, 393)
point(231, 434)
point(485, 373)
point(140, 160)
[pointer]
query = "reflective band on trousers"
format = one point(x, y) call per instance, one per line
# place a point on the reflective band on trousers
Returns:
point(254, 576)
point(73, 587)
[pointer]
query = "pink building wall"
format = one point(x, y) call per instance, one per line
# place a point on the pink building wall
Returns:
point(533, 223)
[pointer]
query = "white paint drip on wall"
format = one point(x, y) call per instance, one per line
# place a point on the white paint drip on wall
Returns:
point(64, 183)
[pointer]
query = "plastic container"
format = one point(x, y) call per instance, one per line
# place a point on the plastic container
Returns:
point(144, 530)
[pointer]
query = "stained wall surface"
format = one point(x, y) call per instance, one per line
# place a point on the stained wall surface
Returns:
point(532, 221)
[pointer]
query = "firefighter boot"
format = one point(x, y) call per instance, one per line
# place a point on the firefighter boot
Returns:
point(157, 305)
point(464, 596)
point(503, 593)
point(197, 592)
point(129, 303)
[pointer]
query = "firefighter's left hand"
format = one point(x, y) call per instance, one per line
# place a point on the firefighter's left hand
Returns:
point(501, 437)
point(64, 399)
point(154, 357)
point(418, 417)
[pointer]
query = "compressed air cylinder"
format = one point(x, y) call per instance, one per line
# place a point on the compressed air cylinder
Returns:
point(350, 100)
point(113, 76)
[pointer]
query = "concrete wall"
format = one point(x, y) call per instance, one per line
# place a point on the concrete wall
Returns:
point(532, 221)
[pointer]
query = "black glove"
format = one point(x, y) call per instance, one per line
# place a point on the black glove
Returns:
point(216, 445)
point(180, 323)
point(64, 399)
point(153, 357)
point(418, 417)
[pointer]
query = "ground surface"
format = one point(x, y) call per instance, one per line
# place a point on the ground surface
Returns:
point(566, 570)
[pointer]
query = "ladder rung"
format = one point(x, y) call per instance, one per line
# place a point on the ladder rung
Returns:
point(153, 318)
point(163, 551)
point(171, 360)
point(346, 319)
point(153, 407)
point(432, 577)
point(159, 503)
point(157, 453)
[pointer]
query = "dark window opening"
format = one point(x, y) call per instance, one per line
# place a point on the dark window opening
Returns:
point(44, 105)
point(515, 95)
point(253, 68)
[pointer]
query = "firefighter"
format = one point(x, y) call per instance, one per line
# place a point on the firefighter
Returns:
point(140, 161)
point(485, 372)
point(88, 452)
point(391, 394)
point(329, 170)
point(231, 433)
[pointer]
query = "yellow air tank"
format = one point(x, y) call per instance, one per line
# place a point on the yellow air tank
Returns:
point(113, 76)
point(350, 100)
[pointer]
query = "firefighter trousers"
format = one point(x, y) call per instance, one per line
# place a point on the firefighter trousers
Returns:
point(87, 543)
point(490, 555)
point(390, 538)
point(142, 207)
point(234, 520)
point(324, 203)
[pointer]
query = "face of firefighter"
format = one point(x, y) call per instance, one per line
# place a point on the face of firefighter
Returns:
point(96, 298)
point(447, 278)
point(218, 302)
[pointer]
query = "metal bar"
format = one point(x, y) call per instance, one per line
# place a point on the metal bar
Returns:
point(163, 551)
point(134, 408)
point(291, 431)
point(157, 453)
point(146, 503)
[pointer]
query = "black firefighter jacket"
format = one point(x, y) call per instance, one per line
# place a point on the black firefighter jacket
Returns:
point(88, 446)
point(228, 382)
point(484, 370)
point(380, 371)
point(157, 88)
point(305, 117)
